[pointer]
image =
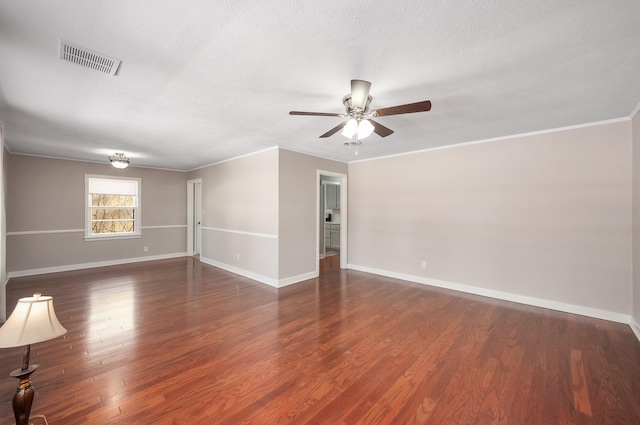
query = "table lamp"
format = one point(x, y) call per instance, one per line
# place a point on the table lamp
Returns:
point(33, 320)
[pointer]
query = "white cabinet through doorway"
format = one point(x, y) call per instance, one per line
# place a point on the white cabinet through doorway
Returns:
point(332, 196)
point(332, 235)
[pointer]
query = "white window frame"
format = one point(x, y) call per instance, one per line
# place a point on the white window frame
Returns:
point(87, 212)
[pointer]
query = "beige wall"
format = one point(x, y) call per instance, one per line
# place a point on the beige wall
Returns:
point(544, 217)
point(298, 213)
point(240, 215)
point(636, 224)
point(260, 214)
point(45, 198)
point(3, 229)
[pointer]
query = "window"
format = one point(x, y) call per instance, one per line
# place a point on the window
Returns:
point(112, 207)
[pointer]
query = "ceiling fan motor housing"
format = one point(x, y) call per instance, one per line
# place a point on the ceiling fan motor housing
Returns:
point(355, 112)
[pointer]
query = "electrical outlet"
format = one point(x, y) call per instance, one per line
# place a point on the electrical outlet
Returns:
point(423, 264)
point(238, 257)
point(145, 249)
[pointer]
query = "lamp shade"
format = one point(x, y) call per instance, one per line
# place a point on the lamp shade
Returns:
point(33, 320)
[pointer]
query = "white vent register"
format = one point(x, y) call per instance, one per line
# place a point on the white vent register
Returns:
point(88, 58)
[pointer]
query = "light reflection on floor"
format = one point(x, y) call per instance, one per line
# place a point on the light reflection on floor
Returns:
point(112, 311)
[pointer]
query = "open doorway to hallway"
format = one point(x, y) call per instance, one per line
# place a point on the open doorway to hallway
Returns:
point(332, 221)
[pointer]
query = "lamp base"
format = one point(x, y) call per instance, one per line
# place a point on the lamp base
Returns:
point(23, 398)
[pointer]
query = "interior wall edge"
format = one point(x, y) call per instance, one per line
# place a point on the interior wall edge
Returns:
point(635, 327)
point(71, 267)
point(635, 217)
point(635, 111)
point(504, 296)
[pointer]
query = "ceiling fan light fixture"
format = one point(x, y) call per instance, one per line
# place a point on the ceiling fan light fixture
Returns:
point(356, 104)
point(350, 129)
point(360, 128)
point(365, 128)
point(119, 160)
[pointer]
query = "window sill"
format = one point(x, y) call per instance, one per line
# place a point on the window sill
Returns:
point(111, 237)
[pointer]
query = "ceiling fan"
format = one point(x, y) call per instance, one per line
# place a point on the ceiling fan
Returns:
point(360, 124)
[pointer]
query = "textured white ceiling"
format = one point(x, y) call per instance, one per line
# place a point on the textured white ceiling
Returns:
point(204, 81)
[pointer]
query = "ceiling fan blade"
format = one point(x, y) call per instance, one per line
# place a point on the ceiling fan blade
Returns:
point(380, 129)
point(359, 93)
point(334, 130)
point(317, 114)
point(409, 108)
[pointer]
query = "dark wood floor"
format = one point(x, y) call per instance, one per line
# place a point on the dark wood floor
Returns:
point(329, 263)
point(180, 342)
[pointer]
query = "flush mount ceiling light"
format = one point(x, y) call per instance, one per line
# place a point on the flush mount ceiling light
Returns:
point(119, 160)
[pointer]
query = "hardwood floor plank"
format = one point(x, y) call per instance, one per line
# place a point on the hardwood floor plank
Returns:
point(177, 341)
point(581, 400)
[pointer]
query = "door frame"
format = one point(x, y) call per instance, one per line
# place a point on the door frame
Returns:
point(343, 216)
point(194, 216)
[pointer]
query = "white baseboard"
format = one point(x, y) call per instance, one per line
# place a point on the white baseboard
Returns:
point(635, 327)
point(295, 279)
point(251, 275)
point(506, 296)
point(70, 267)
point(276, 283)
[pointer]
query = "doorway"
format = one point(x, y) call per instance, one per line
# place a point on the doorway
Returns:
point(194, 217)
point(331, 221)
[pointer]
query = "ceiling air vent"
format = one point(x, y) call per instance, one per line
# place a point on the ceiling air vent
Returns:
point(85, 57)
